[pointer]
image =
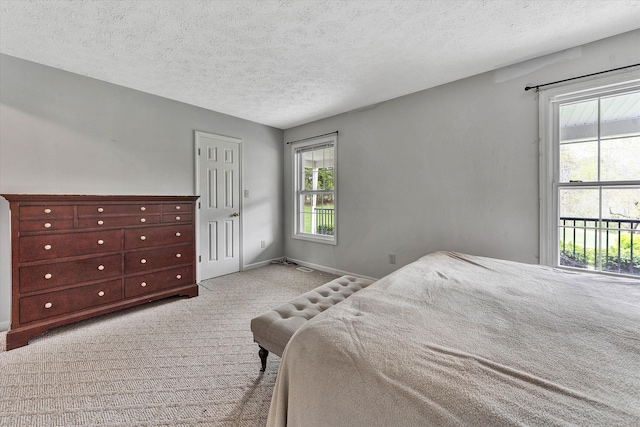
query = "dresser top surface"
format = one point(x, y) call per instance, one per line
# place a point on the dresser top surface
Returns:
point(78, 198)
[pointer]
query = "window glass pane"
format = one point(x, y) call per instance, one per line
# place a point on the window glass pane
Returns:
point(579, 162)
point(621, 203)
point(577, 233)
point(578, 202)
point(620, 115)
point(579, 121)
point(621, 230)
point(620, 159)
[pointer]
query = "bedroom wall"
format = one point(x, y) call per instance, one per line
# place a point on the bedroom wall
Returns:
point(65, 133)
point(450, 168)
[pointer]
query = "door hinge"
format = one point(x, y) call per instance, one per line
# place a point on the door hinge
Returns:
point(199, 152)
point(199, 258)
point(199, 207)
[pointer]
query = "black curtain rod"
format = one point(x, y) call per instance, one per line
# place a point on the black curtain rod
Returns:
point(537, 87)
point(311, 137)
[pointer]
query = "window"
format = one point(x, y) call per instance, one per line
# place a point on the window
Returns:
point(315, 190)
point(590, 176)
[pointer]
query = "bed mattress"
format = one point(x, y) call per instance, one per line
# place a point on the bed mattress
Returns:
point(454, 339)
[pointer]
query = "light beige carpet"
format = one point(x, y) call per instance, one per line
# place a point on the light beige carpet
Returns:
point(176, 362)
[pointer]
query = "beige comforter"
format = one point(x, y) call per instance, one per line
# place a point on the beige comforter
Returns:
point(453, 339)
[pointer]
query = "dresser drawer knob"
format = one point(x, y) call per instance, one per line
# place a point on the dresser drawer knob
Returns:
point(143, 237)
point(143, 284)
point(101, 267)
point(47, 247)
point(100, 222)
point(101, 242)
point(48, 276)
point(142, 208)
point(178, 207)
point(47, 211)
point(177, 218)
point(100, 210)
point(143, 220)
point(48, 305)
point(178, 276)
point(178, 234)
point(47, 225)
point(101, 293)
point(143, 261)
point(178, 255)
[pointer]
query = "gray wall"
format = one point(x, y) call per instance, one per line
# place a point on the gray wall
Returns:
point(450, 168)
point(65, 133)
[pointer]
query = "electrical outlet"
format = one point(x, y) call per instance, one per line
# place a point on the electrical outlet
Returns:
point(392, 258)
point(263, 244)
point(246, 193)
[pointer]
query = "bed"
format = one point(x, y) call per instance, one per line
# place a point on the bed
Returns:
point(455, 339)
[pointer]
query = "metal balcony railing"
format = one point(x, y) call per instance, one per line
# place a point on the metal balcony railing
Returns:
point(579, 246)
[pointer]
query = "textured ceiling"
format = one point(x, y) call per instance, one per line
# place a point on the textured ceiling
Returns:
point(285, 63)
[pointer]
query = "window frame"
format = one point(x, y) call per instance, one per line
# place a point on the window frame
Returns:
point(549, 102)
point(298, 186)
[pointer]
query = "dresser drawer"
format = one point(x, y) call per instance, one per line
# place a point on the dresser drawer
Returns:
point(40, 277)
point(46, 211)
point(146, 283)
point(177, 217)
point(135, 238)
point(35, 248)
point(157, 258)
point(169, 208)
point(118, 221)
point(126, 209)
point(61, 302)
point(48, 224)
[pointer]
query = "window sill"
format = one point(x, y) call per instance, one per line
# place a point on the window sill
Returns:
point(327, 240)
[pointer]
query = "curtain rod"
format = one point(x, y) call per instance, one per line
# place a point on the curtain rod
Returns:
point(311, 137)
point(537, 87)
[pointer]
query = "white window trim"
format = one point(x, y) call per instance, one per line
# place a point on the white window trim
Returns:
point(331, 240)
point(549, 155)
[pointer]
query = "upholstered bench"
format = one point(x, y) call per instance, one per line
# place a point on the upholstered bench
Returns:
point(273, 329)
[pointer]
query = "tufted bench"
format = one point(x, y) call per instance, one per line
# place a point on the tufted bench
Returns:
point(273, 329)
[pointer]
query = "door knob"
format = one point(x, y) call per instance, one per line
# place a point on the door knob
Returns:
point(235, 214)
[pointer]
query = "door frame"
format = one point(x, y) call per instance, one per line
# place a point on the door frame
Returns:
point(197, 153)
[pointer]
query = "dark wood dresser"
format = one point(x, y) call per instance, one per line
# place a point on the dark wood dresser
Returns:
point(76, 257)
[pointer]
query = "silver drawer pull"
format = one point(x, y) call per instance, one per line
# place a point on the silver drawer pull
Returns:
point(100, 209)
point(101, 242)
point(142, 208)
point(47, 211)
point(143, 261)
point(101, 267)
point(47, 247)
point(178, 207)
point(143, 220)
point(100, 222)
point(178, 234)
point(143, 237)
point(47, 225)
point(101, 293)
point(143, 284)
point(177, 218)
point(48, 305)
point(48, 276)
point(178, 255)
point(178, 276)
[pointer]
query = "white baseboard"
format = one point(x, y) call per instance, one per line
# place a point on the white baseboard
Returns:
point(4, 326)
point(328, 269)
point(259, 264)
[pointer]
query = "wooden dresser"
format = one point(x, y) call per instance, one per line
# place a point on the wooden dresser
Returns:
point(76, 257)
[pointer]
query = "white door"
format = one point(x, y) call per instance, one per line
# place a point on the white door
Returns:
point(218, 184)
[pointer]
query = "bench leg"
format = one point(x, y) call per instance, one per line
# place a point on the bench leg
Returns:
point(263, 353)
